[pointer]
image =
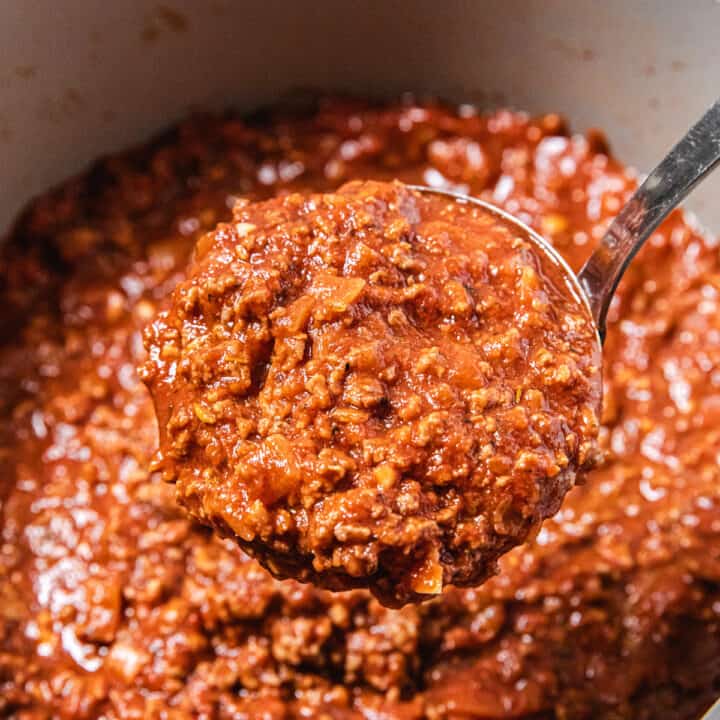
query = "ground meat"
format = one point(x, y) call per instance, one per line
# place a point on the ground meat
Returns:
point(612, 611)
point(374, 388)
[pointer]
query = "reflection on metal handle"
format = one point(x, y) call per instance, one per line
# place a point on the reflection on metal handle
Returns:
point(666, 186)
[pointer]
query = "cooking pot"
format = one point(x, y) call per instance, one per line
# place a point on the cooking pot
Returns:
point(79, 79)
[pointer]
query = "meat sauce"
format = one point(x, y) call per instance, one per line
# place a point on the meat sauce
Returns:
point(374, 388)
point(113, 604)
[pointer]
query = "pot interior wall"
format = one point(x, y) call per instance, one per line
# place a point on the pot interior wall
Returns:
point(82, 78)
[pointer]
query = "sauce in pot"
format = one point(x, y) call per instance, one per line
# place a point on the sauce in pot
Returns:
point(113, 604)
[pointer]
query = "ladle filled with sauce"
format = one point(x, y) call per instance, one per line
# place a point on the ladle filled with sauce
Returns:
point(390, 386)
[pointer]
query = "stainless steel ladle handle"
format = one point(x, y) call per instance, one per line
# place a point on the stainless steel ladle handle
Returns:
point(665, 187)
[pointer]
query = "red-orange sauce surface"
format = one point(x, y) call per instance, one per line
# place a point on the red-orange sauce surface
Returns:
point(114, 605)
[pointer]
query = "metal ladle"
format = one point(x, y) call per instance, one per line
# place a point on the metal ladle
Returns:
point(664, 188)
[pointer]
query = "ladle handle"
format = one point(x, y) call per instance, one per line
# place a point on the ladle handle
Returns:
point(682, 168)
